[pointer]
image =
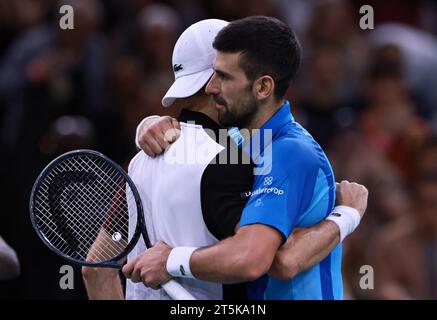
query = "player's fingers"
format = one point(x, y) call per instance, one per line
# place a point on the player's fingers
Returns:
point(144, 281)
point(136, 275)
point(155, 286)
point(176, 132)
point(176, 124)
point(149, 282)
point(161, 140)
point(171, 135)
point(147, 150)
point(128, 269)
point(165, 124)
point(155, 147)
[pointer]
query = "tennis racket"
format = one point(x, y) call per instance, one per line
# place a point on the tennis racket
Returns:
point(83, 206)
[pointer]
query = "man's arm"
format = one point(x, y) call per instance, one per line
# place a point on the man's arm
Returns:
point(248, 254)
point(101, 283)
point(243, 257)
point(9, 265)
point(306, 247)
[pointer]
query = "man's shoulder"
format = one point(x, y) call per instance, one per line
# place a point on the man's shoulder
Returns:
point(137, 161)
point(291, 149)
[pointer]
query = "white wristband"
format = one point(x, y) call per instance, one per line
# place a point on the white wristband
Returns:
point(137, 135)
point(346, 218)
point(178, 262)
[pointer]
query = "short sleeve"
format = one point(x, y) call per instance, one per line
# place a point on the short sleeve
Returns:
point(284, 189)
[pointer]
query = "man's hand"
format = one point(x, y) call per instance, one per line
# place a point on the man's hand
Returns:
point(155, 135)
point(149, 267)
point(353, 195)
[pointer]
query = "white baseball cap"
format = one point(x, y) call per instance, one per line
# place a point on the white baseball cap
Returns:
point(193, 58)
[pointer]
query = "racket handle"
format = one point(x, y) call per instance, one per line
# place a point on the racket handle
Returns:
point(176, 291)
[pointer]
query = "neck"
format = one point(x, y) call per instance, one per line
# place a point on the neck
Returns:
point(264, 113)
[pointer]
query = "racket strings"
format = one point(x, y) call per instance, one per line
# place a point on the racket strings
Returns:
point(63, 223)
point(82, 209)
point(57, 205)
point(108, 193)
point(76, 207)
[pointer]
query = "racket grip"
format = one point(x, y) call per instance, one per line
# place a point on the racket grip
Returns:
point(176, 291)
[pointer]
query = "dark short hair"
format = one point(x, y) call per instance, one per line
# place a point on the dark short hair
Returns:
point(268, 45)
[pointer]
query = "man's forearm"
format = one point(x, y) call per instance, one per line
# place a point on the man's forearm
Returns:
point(305, 248)
point(102, 284)
point(219, 263)
point(243, 257)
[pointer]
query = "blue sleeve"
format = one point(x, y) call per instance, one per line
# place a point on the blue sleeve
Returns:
point(285, 189)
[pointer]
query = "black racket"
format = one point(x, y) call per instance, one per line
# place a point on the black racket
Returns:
point(82, 207)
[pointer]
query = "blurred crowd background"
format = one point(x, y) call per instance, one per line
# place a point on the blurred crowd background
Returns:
point(368, 96)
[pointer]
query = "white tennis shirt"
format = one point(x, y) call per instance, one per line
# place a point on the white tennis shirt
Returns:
point(169, 187)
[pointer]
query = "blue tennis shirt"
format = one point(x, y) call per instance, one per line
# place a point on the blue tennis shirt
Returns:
point(294, 186)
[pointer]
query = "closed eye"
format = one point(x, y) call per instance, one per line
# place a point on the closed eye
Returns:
point(222, 75)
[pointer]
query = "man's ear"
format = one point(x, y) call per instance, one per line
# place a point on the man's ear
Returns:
point(263, 87)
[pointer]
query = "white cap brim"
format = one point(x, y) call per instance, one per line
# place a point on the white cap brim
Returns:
point(186, 86)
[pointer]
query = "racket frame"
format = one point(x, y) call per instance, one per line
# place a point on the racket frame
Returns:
point(139, 230)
